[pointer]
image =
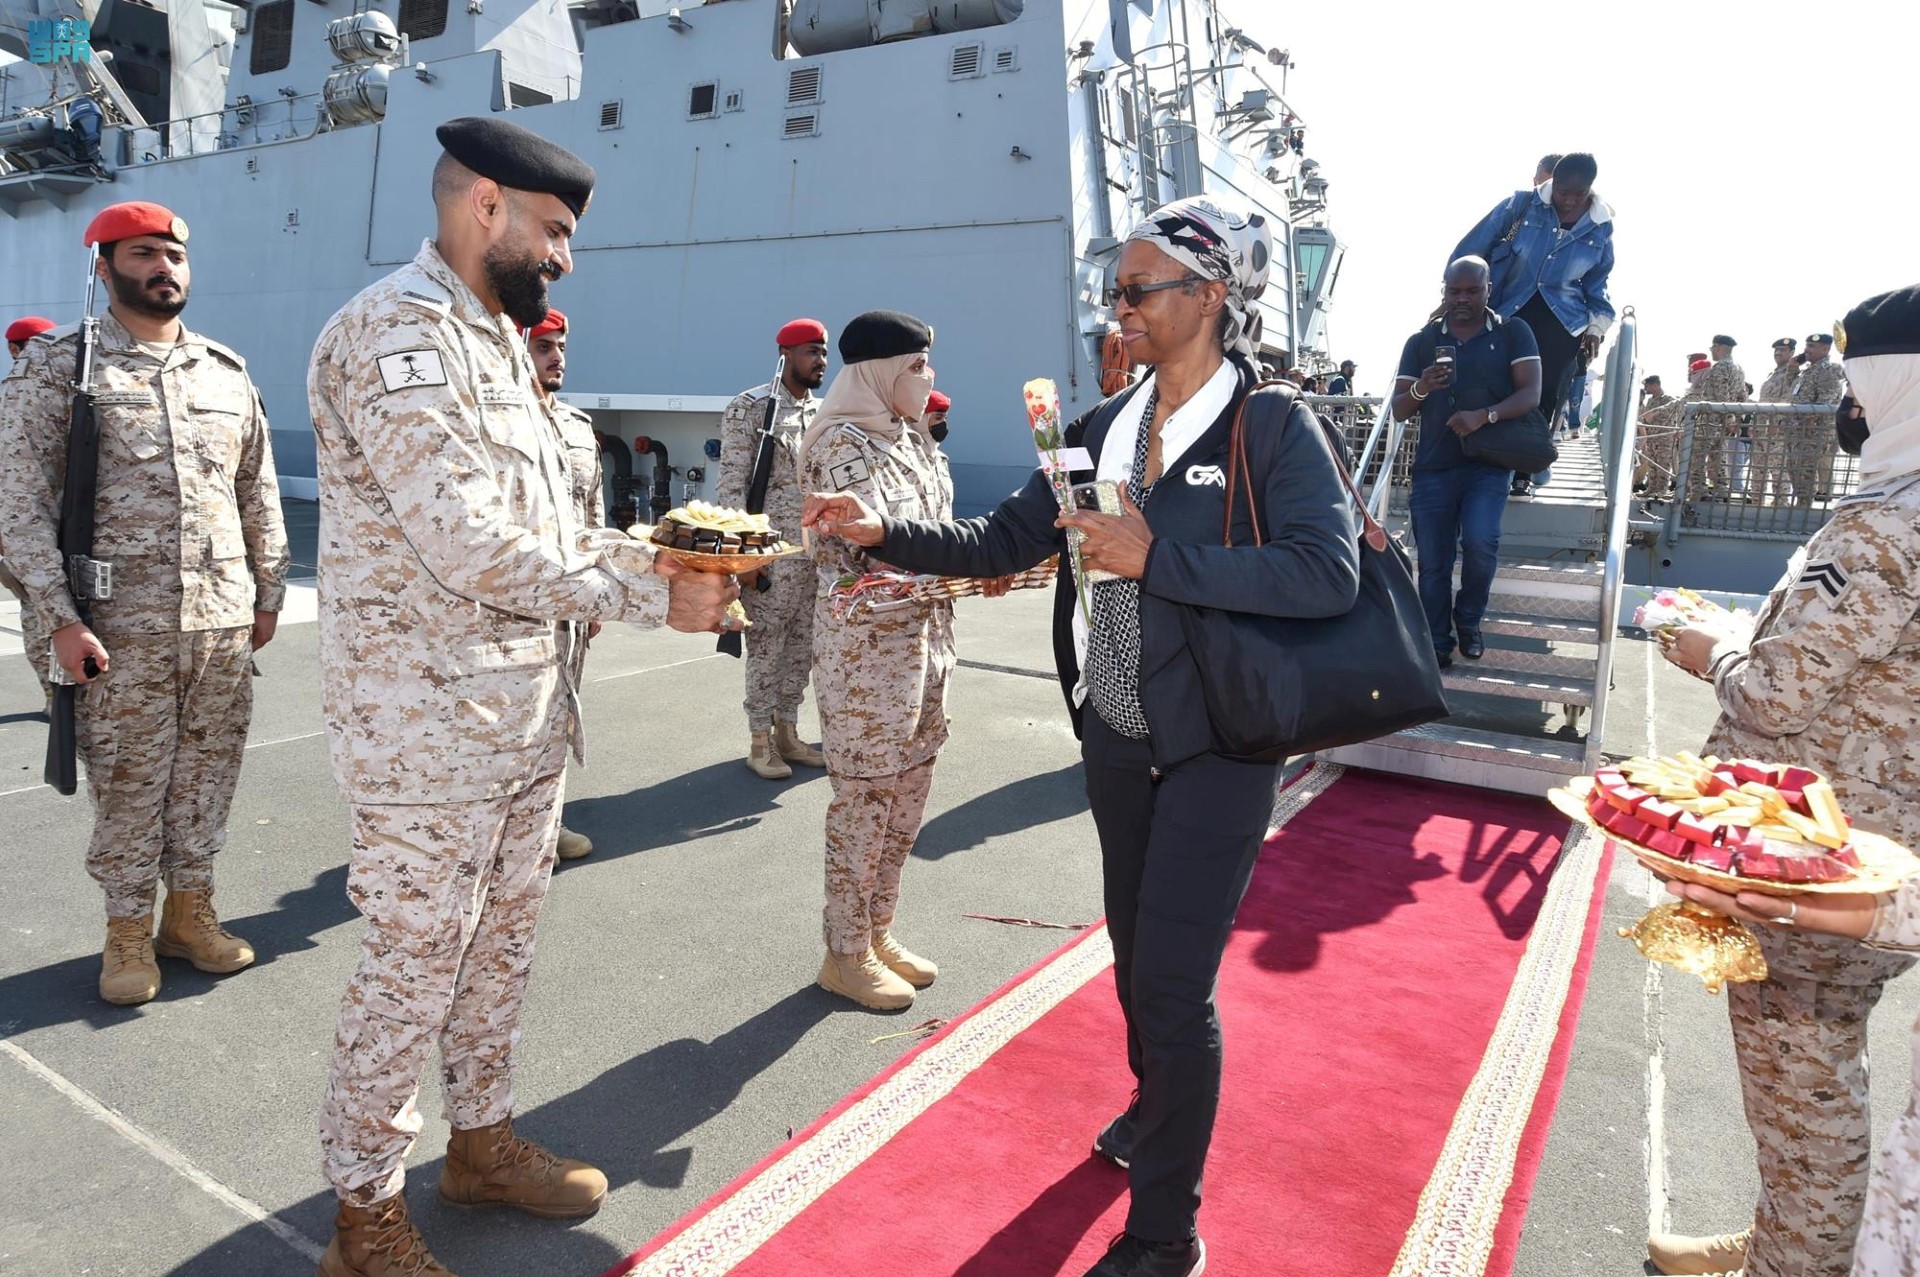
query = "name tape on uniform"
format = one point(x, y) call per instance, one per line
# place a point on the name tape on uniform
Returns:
point(848, 473)
point(410, 369)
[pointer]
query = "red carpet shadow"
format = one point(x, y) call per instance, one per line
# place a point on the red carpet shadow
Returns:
point(1043, 1236)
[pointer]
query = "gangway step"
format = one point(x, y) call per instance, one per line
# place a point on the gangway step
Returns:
point(1517, 684)
point(1470, 756)
point(1515, 624)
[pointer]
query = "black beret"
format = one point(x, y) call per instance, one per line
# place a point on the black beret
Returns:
point(1885, 325)
point(882, 334)
point(519, 158)
point(1826, 338)
point(1723, 340)
point(1784, 343)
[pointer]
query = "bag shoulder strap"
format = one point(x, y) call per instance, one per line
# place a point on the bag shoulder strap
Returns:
point(1240, 472)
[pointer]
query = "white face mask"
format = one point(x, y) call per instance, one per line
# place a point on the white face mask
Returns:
point(911, 390)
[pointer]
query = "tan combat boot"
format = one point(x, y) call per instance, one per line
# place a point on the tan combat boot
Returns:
point(572, 846)
point(787, 743)
point(491, 1166)
point(911, 967)
point(1682, 1256)
point(189, 929)
point(861, 976)
point(765, 760)
point(378, 1241)
point(128, 973)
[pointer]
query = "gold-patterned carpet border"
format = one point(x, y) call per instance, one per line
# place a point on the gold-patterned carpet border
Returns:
point(1453, 1229)
point(726, 1235)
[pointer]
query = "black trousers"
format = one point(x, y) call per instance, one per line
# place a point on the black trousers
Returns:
point(1176, 851)
point(1558, 351)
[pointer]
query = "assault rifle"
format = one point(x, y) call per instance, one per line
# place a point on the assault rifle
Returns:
point(89, 580)
point(762, 471)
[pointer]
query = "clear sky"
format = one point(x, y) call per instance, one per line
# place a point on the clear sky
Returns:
point(1760, 158)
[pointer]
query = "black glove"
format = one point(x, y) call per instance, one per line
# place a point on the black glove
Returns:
point(1850, 425)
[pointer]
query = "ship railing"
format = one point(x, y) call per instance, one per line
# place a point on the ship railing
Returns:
point(1366, 423)
point(1618, 423)
point(1760, 471)
point(285, 118)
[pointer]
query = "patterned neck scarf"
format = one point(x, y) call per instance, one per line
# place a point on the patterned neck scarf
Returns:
point(1214, 244)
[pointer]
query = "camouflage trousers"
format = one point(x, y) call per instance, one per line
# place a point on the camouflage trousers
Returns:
point(451, 893)
point(1802, 1049)
point(871, 825)
point(780, 644)
point(1655, 457)
point(1810, 454)
point(163, 734)
point(33, 636)
point(1890, 1236)
point(1712, 443)
point(1769, 475)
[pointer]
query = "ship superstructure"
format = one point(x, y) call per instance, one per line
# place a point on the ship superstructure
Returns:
point(972, 161)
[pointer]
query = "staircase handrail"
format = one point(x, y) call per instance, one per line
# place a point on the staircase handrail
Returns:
point(1618, 423)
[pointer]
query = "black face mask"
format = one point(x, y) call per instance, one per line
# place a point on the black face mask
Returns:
point(1852, 430)
point(939, 431)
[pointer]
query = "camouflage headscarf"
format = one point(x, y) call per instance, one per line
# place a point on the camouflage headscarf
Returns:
point(1234, 248)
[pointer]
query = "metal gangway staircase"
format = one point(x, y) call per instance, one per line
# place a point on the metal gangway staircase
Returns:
point(1532, 711)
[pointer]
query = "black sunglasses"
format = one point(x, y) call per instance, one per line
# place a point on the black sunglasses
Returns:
point(1135, 293)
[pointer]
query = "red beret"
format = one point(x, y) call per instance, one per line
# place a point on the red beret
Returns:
point(1698, 364)
point(28, 327)
point(124, 221)
point(937, 402)
point(555, 322)
point(801, 332)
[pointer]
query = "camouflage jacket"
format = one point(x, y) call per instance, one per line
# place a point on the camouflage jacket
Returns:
point(740, 439)
point(1778, 387)
point(1831, 681)
point(1823, 383)
point(450, 549)
point(1722, 383)
point(881, 680)
point(584, 475)
point(188, 510)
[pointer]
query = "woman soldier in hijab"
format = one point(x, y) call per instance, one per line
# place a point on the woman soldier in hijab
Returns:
point(881, 680)
point(1830, 680)
point(1179, 823)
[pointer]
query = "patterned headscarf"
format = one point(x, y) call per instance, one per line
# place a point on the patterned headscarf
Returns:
point(1235, 248)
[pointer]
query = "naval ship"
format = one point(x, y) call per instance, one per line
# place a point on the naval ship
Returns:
point(971, 161)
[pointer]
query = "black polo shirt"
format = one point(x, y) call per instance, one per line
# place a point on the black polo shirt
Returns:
point(1482, 377)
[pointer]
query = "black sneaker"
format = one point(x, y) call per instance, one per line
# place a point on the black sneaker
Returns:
point(1443, 659)
point(1131, 1256)
point(1472, 646)
point(1114, 1143)
point(1521, 488)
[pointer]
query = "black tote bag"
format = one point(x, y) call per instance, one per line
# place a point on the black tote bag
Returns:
point(1282, 686)
point(1523, 443)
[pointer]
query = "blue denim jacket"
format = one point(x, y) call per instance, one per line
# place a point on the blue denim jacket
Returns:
point(1522, 240)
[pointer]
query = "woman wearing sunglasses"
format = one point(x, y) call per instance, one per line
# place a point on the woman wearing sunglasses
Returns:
point(1179, 823)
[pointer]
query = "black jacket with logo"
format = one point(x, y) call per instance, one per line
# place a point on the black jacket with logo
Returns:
point(1308, 567)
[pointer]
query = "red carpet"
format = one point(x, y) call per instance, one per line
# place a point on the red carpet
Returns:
point(1394, 1045)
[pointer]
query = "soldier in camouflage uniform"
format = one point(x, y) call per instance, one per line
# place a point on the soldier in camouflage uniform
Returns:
point(1811, 445)
point(547, 347)
point(1653, 442)
point(1770, 432)
point(1714, 432)
point(881, 680)
point(1828, 681)
point(33, 639)
point(188, 514)
point(455, 577)
point(780, 642)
